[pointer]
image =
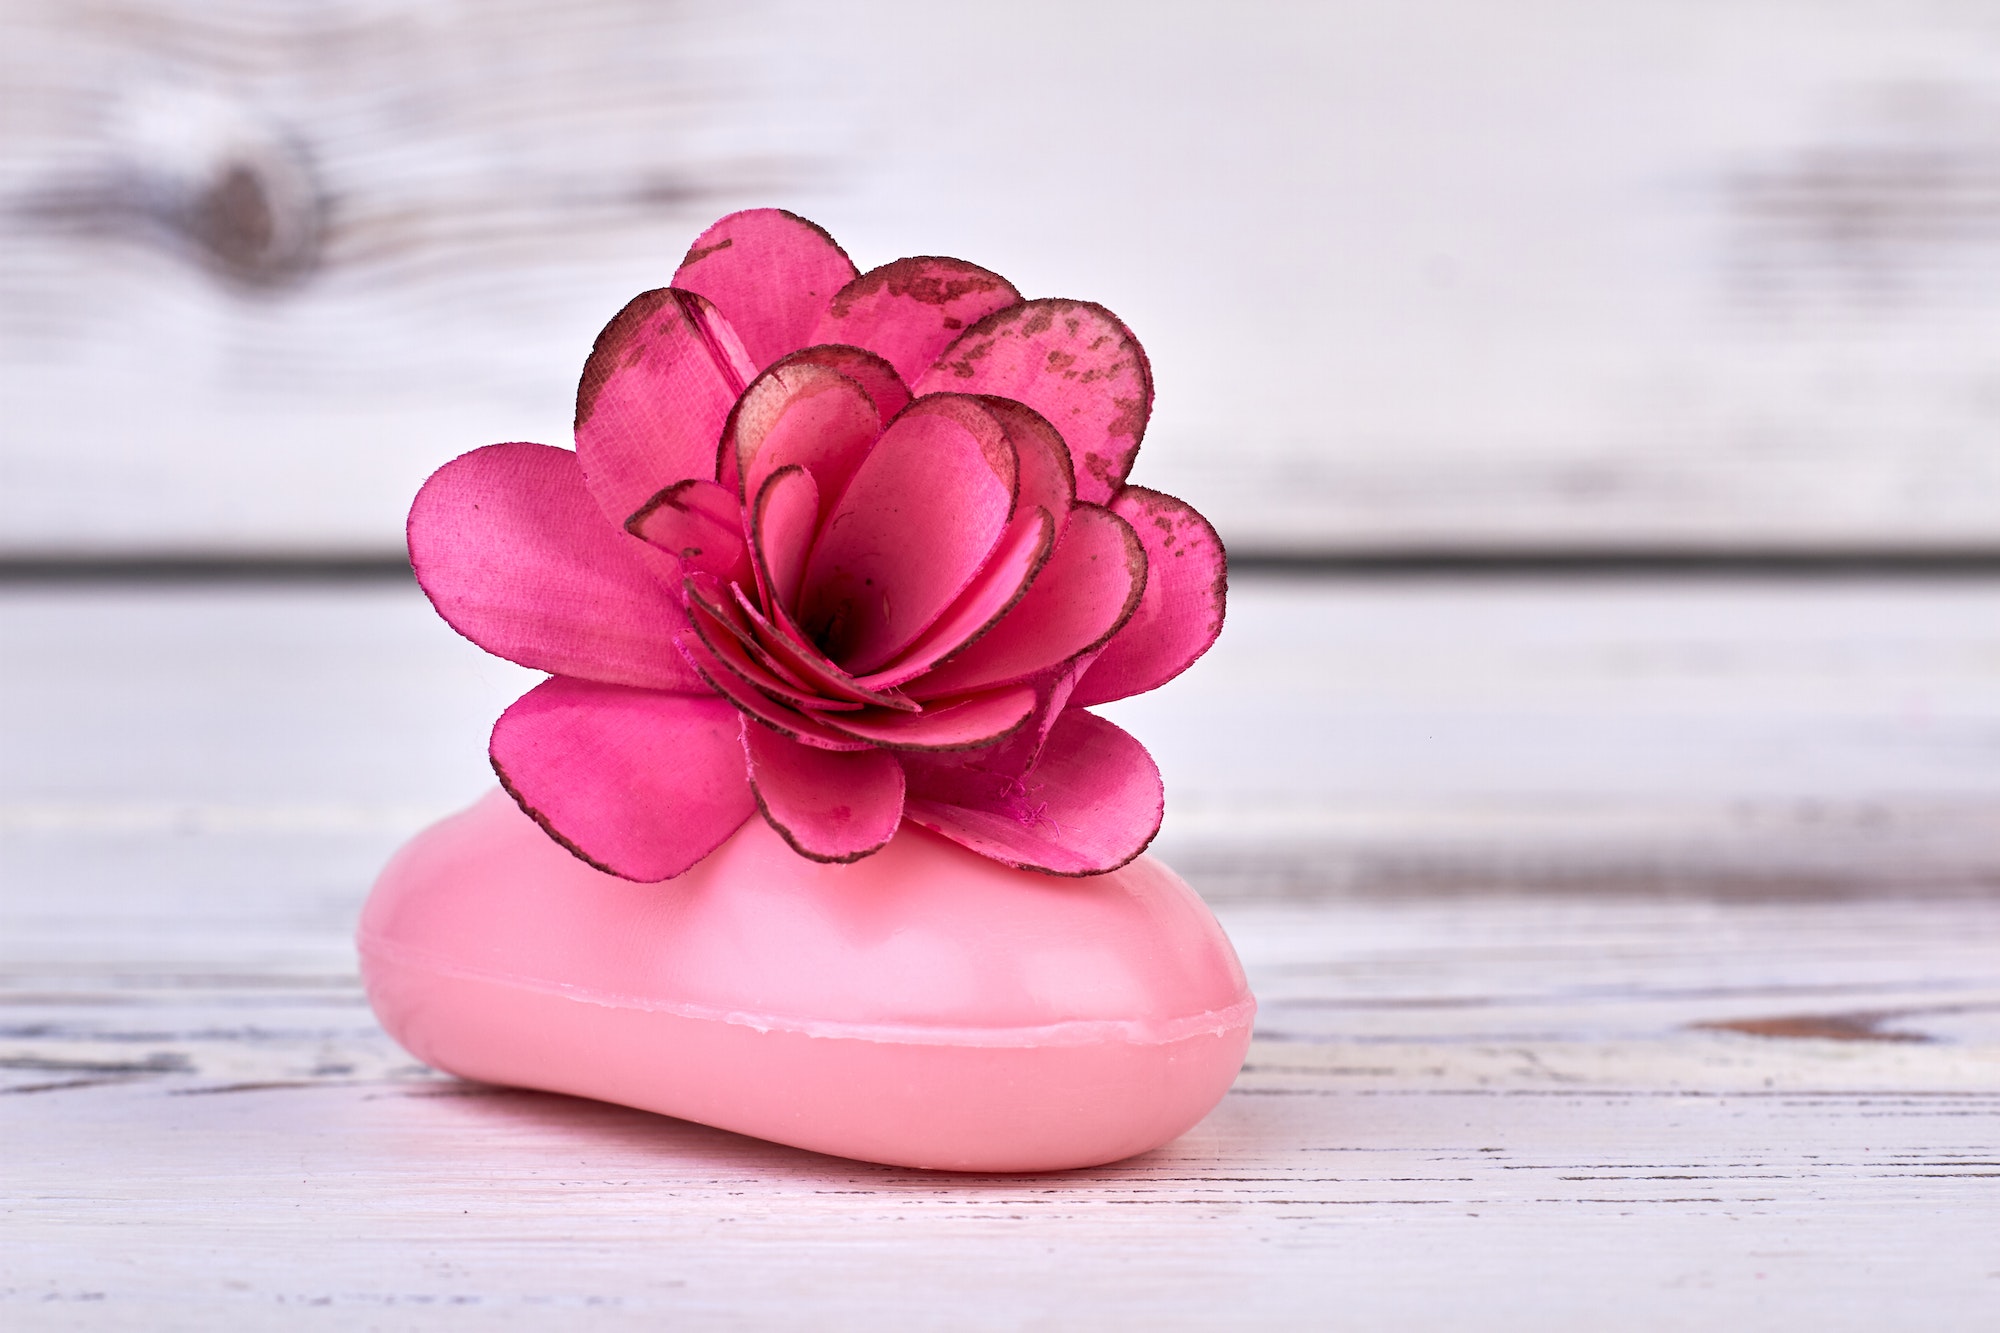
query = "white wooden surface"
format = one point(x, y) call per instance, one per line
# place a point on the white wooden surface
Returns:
point(1412, 272)
point(1806, 734)
point(1496, 1113)
point(1556, 1097)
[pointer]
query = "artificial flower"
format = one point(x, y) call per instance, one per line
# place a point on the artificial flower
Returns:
point(841, 549)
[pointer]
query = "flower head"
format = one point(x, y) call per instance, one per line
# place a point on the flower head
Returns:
point(841, 549)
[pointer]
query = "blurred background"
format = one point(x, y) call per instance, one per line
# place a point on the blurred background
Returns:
point(1598, 399)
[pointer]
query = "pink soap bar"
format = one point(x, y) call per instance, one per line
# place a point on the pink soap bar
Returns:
point(922, 1007)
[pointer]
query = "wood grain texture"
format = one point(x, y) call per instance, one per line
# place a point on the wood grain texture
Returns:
point(1432, 275)
point(1516, 1111)
point(1768, 737)
point(1754, 1090)
point(1615, 736)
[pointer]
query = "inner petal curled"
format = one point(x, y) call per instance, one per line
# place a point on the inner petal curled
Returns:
point(913, 529)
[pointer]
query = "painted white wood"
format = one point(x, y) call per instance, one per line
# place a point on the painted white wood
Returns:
point(1627, 732)
point(1435, 273)
point(1549, 1094)
point(1492, 1110)
point(1364, 734)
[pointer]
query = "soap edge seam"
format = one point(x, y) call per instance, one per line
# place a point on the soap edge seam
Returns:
point(1067, 1032)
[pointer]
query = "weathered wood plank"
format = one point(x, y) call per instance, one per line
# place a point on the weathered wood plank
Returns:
point(1424, 274)
point(1507, 1111)
point(1759, 1101)
point(1772, 737)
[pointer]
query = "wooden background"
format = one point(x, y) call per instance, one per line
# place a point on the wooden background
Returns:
point(1613, 845)
point(1530, 1112)
point(1638, 968)
point(1416, 274)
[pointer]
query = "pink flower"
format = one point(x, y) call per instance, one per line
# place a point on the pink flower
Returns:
point(840, 549)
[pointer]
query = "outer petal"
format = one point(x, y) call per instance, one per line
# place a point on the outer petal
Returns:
point(653, 397)
point(639, 783)
point(513, 553)
point(1090, 588)
point(1073, 362)
point(909, 311)
point(771, 272)
point(1187, 585)
point(1091, 803)
point(912, 530)
point(829, 805)
point(800, 413)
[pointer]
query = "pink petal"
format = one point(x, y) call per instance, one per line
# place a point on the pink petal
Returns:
point(771, 272)
point(1091, 586)
point(735, 656)
point(786, 721)
point(699, 523)
point(798, 672)
point(707, 596)
point(1002, 583)
point(913, 528)
point(706, 592)
point(877, 378)
point(789, 649)
point(513, 553)
point(1047, 479)
point(639, 783)
point(801, 413)
point(654, 394)
point(829, 806)
point(781, 531)
point(953, 724)
point(911, 310)
point(1016, 753)
point(1073, 362)
point(1187, 583)
point(1090, 804)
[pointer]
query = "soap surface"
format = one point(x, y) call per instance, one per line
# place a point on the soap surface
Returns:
point(921, 1007)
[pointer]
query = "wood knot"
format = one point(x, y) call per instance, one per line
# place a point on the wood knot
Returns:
point(257, 217)
point(211, 178)
point(1858, 1026)
point(254, 225)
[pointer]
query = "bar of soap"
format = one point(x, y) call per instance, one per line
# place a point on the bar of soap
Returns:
point(922, 1007)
